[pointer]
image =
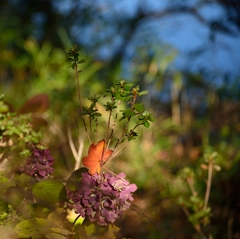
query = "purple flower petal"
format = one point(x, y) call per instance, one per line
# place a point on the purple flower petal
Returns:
point(102, 197)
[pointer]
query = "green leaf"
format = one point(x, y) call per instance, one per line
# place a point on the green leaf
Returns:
point(14, 196)
point(81, 61)
point(75, 179)
point(90, 229)
point(112, 231)
point(56, 236)
point(139, 107)
point(49, 191)
point(143, 93)
point(108, 232)
point(128, 113)
point(97, 114)
point(22, 180)
point(3, 210)
point(146, 124)
point(32, 229)
point(69, 59)
point(214, 155)
point(59, 233)
point(74, 66)
point(5, 183)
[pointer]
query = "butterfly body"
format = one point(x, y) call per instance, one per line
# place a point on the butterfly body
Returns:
point(97, 156)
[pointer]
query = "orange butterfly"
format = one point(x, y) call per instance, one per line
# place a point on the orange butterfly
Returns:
point(97, 155)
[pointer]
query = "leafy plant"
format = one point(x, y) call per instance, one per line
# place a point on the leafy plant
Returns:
point(34, 202)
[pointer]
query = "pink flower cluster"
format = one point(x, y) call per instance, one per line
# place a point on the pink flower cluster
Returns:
point(102, 197)
point(40, 164)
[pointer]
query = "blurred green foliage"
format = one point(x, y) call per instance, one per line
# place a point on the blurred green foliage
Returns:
point(154, 162)
point(169, 162)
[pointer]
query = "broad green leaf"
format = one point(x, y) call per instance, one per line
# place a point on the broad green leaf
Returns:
point(74, 66)
point(39, 210)
point(108, 232)
point(56, 236)
point(32, 229)
point(214, 155)
point(3, 208)
point(72, 216)
point(146, 124)
point(143, 92)
point(139, 107)
point(59, 233)
point(23, 179)
point(112, 231)
point(90, 229)
point(81, 61)
point(49, 191)
point(5, 183)
point(75, 179)
point(14, 196)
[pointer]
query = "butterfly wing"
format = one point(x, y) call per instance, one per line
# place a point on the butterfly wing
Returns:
point(96, 154)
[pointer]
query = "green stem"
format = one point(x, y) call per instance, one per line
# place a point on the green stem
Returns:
point(80, 102)
point(191, 185)
point(129, 118)
point(197, 227)
point(209, 182)
point(108, 124)
point(114, 124)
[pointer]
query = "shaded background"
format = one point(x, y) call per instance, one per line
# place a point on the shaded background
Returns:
point(186, 53)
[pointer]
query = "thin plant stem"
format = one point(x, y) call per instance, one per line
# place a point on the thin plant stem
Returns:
point(72, 146)
point(114, 123)
point(197, 227)
point(209, 182)
point(90, 124)
point(79, 153)
point(80, 102)
point(191, 185)
point(108, 124)
point(136, 126)
point(129, 118)
point(113, 173)
point(96, 123)
point(117, 151)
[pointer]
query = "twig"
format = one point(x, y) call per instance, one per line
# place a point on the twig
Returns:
point(72, 146)
point(209, 182)
point(114, 123)
point(116, 152)
point(197, 227)
point(108, 126)
point(96, 123)
point(191, 185)
point(80, 101)
point(77, 155)
point(129, 118)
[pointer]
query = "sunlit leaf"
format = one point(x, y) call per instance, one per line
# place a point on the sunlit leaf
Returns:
point(139, 107)
point(146, 124)
point(143, 92)
point(32, 229)
point(59, 233)
point(112, 231)
point(49, 191)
